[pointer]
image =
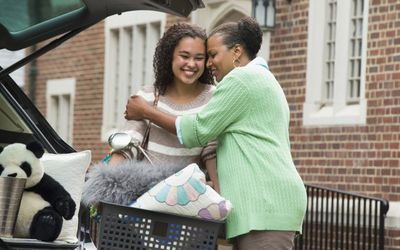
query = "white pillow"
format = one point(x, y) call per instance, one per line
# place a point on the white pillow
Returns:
point(186, 193)
point(69, 170)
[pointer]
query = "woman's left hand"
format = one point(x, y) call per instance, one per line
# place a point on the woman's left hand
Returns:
point(136, 108)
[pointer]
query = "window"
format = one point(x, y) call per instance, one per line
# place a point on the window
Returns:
point(130, 44)
point(22, 14)
point(336, 63)
point(60, 103)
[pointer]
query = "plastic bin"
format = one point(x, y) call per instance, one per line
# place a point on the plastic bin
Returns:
point(124, 227)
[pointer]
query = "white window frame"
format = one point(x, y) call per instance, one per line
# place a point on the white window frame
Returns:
point(339, 112)
point(60, 116)
point(133, 74)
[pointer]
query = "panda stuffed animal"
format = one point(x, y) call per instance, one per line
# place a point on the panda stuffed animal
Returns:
point(44, 201)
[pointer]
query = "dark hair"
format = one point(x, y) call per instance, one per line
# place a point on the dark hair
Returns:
point(162, 60)
point(245, 32)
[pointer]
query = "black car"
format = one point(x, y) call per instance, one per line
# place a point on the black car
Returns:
point(24, 23)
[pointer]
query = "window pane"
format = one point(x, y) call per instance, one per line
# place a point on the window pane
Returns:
point(114, 69)
point(142, 36)
point(54, 112)
point(330, 44)
point(129, 32)
point(21, 14)
point(65, 116)
point(353, 88)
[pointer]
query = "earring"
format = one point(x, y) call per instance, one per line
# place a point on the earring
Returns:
point(236, 62)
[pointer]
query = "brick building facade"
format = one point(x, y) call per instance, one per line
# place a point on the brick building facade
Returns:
point(363, 157)
point(360, 158)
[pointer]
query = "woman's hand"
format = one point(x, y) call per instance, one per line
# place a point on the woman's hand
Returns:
point(136, 108)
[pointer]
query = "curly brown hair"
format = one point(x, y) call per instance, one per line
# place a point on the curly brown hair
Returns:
point(162, 60)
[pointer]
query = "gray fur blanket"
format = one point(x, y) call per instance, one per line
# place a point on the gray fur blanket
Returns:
point(123, 183)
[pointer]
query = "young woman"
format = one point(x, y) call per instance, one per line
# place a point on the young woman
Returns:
point(184, 86)
point(249, 115)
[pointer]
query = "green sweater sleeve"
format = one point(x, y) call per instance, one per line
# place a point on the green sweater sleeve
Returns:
point(229, 102)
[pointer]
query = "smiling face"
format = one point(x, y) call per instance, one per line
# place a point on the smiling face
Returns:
point(188, 60)
point(220, 57)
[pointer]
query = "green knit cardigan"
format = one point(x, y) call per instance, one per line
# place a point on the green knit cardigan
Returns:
point(249, 116)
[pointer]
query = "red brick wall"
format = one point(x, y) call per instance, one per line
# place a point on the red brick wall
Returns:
point(364, 159)
point(82, 57)
point(357, 158)
point(392, 239)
